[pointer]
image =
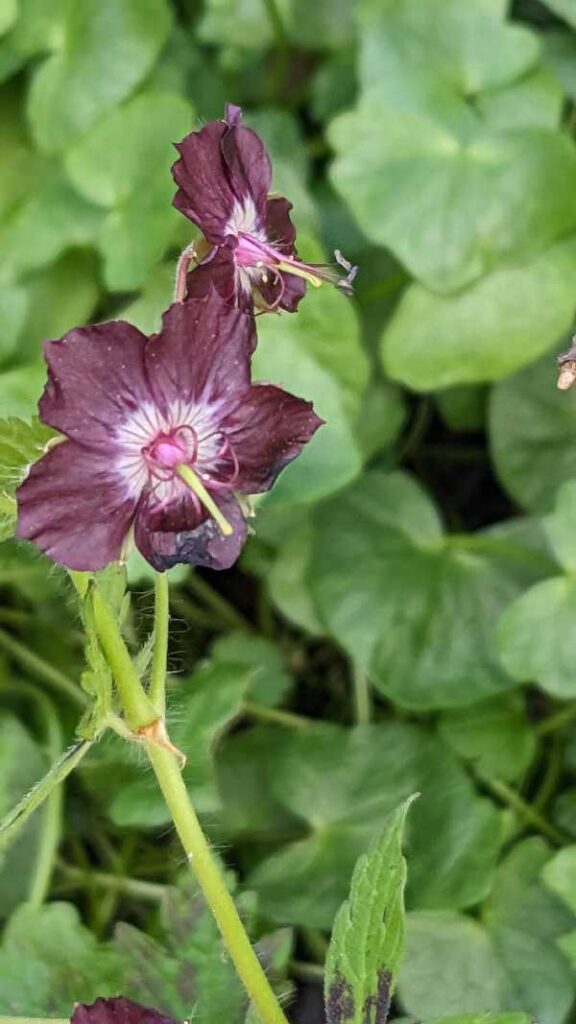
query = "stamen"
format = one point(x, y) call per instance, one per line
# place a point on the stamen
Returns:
point(293, 268)
point(189, 477)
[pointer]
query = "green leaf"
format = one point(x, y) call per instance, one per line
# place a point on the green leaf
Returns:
point(59, 298)
point(463, 50)
point(485, 332)
point(535, 636)
point(450, 967)
point(559, 527)
point(559, 875)
point(416, 609)
point(525, 920)
point(51, 220)
point(8, 15)
point(368, 936)
point(156, 295)
point(455, 965)
point(287, 148)
point(484, 1018)
point(270, 681)
point(415, 132)
point(474, 206)
point(341, 784)
point(288, 582)
point(533, 435)
point(187, 975)
point(49, 961)
point(564, 9)
point(21, 765)
point(494, 735)
point(123, 164)
point(317, 355)
point(20, 390)
point(560, 56)
point(533, 102)
point(101, 54)
point(13, 307)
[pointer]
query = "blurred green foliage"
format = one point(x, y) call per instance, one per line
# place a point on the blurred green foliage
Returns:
point(403, 618)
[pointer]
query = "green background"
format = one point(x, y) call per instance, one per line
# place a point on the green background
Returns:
point(410, 591)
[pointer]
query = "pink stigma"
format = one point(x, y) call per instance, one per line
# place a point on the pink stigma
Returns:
point(167, 451)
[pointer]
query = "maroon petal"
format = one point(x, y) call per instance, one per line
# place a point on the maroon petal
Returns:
point(221, 167)
point(96, 375)
point(267, 431)
point(205, 195)
point(182, 533)
point(216, 272)
point(248, 166)
point(117, 1010)
point(202, 354)
point(280, 231)
point(75, 508)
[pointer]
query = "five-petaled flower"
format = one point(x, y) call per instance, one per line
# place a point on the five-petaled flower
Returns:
point(224, 176)
point(161, 435)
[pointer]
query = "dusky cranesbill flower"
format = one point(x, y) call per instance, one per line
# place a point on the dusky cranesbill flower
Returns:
point(161, 436)
point(224, 176)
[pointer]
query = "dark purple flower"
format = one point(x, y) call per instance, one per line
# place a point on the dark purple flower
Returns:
point(116, 1010)
point(224, 175)
point(161, 435)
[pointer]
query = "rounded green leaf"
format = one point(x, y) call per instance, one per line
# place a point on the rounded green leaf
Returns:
point(123, 164)
point(494, 735)
point(102, 52)
point(533, 434)
point(485, 332)
point(341, 784)
point(536, 636)
point(316, 354)
point(415, 609)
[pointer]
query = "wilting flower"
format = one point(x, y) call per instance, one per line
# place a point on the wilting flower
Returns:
point(224, 175)
point(161, 435)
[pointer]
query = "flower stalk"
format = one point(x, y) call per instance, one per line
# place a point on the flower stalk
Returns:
point(213, 886)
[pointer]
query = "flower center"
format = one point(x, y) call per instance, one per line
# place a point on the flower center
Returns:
point(169, 450)
point(171, 455)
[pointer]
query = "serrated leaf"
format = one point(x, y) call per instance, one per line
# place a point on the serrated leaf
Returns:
point(368, 936)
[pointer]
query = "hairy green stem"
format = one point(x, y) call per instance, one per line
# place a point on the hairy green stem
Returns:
point(157, 691)
point(36, 796)
point(138, 708)
point(213, 886)
point(59, 682)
